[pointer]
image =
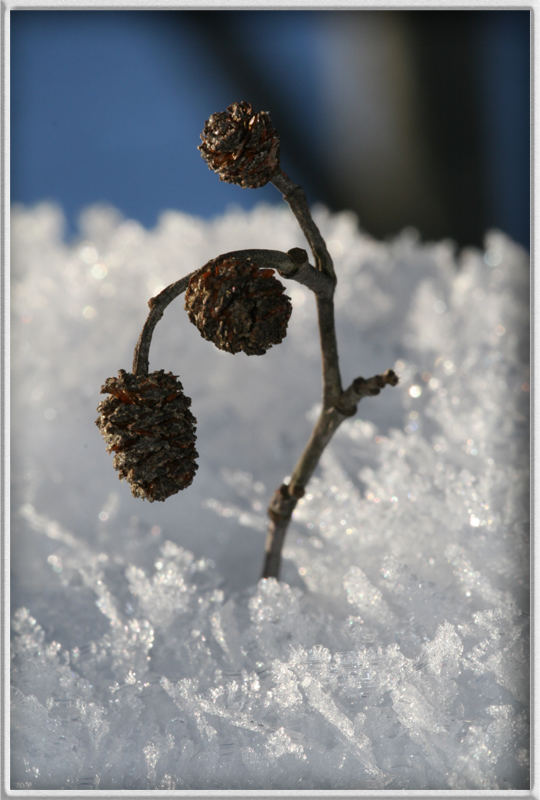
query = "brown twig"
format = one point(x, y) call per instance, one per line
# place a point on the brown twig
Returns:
point(337, 404)
point(287, 496)
point(296, 198)
point(157, 305)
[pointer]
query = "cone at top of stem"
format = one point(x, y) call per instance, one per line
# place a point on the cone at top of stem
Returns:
point(241, 145)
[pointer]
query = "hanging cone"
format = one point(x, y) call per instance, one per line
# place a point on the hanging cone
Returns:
point(237, 306)
point(147, 424)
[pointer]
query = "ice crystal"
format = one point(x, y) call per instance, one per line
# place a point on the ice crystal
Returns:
point(394, 653)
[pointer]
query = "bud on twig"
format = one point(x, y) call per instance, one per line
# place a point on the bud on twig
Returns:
point(147, 424)
point(238, 306)
point(241, 145)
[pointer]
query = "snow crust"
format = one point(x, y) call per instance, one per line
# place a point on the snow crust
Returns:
point(394, 653)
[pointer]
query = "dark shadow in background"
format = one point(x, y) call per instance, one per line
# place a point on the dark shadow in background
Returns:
point(474, 72)
point(409, 118)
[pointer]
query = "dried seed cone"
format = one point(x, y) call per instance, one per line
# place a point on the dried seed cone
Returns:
point(238, 306)
point(147, 424)
point(241, 145)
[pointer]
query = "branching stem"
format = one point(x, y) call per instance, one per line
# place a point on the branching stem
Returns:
point(296, 198)
point(337, 404)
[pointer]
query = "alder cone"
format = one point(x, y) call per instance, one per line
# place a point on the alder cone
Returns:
point(147, 424)
point(237, 306)
point(241, 145)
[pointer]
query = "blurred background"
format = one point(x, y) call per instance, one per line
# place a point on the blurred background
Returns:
point(409, 118)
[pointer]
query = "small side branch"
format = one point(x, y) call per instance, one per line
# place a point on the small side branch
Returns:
point(362, 387)
point(300, 270)
point(294, 264)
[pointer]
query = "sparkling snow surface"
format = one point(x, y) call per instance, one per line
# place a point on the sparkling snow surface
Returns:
point(394, 653)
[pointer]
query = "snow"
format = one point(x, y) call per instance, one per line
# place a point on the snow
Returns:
point(394, 653)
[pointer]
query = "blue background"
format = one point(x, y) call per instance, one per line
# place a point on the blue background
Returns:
point(408, 117)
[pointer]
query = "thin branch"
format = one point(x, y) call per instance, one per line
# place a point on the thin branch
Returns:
point(337, 404)
point(329, 350)
point(280, 512)
point(286, 497)
point(157, 305)
point(296, 198)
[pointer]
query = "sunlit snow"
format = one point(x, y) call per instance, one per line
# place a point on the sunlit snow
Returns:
point(394, 653)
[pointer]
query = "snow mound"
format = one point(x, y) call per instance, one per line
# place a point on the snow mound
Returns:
point(394, 652)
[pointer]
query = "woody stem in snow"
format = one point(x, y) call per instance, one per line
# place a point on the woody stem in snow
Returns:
point(337, 404)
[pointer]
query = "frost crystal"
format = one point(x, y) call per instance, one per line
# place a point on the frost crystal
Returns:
point(394, 654)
